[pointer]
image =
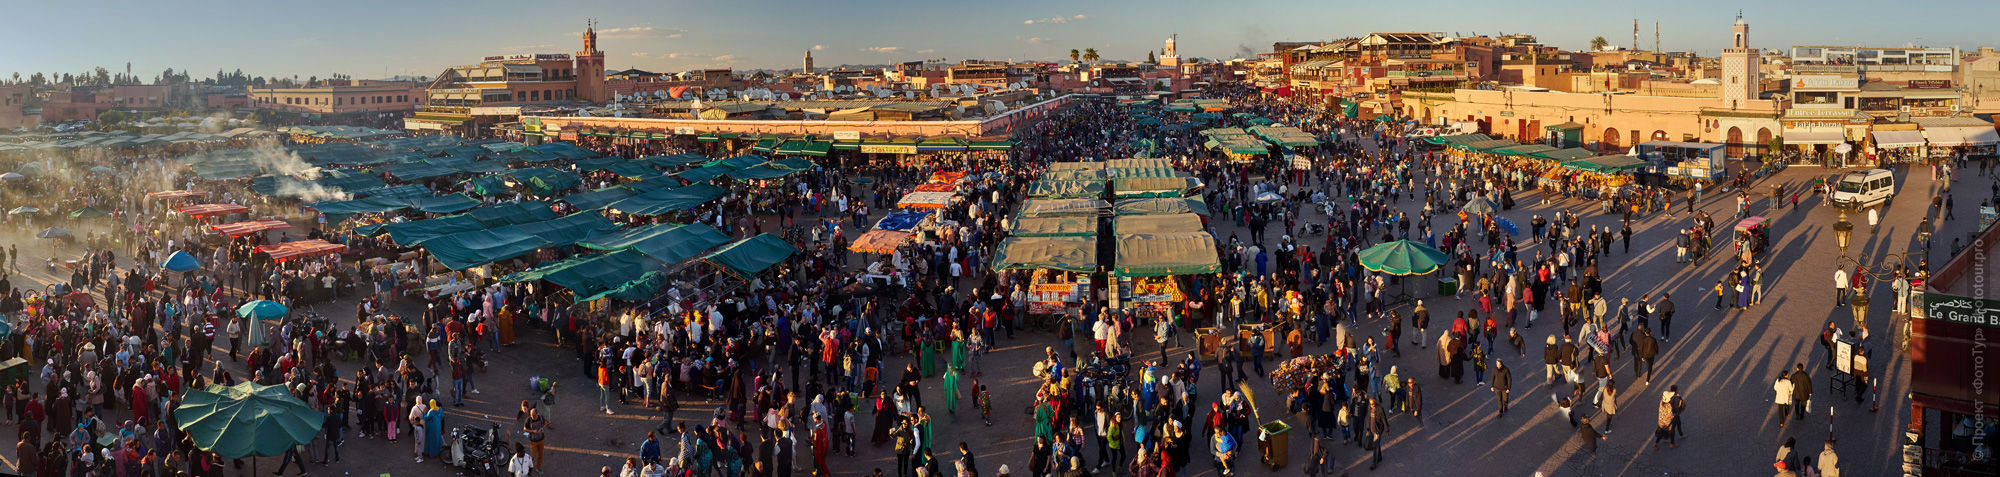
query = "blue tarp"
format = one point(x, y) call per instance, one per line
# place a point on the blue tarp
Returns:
point(633, 170)
point(510, 213)
point(464, 250)
point(902, 220)
point(410, 233)
point(565, 150)
point(444, 204)
point(681, 159)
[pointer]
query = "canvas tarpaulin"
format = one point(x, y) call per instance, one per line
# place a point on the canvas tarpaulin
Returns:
point(704, 173)
point(681, 159)
point(1153, 255)
point(444, 204)
point(761, 172)
point(1193, 205)
point(1062, 207)
point(668, 200)
point(1056, 227)
point(928, 200)
point(1156, 224)
point(596, 199)
point(1067, 189)
point(1153, 186)
point(464, 250)
point(632, 170)
point(591, 275)
point(748, 257)
point(409, 233)
point(1073, 254)
point(668, 243)
point(511, 213)
point(902, 220)
point(879, 241)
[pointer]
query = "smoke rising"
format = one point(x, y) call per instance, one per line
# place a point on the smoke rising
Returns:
point(274, 158)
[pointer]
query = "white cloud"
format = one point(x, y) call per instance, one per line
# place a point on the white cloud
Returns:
point(883, 49)
point(1058, 20)
point(1036, 40)
point(638, 32)
point(819, 47)
point(642, 54)
point(726, 58)
point(926, 51)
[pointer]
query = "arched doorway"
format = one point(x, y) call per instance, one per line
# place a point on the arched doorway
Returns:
point(1610, 141)
point(1735, 142)
point(1427, 115)
point(1764, 141)
point(1659, 135)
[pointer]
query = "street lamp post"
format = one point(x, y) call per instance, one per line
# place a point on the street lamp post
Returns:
point(1860, 305)
point(1842, 231)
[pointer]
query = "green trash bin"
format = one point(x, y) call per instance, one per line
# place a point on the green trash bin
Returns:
point(1275, 443)
point(1447, 286)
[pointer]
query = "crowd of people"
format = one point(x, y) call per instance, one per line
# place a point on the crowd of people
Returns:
point(797, 357)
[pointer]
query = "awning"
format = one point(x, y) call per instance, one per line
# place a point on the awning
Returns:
point(1607, 164)
point(668, 243)
point(205, 210)
point(1072, 254)
point(1815, 137)
point(1910, 138)
point(668, 200)
point(1153, 255)
point(1066, 189)
point(1163, 206)
point(926, 200)
point(303, 248)
point(816, 148)
point(1062, 207)
point(1156, 224)
point(239, 229)
point(765, 144)
point(1056, 227)
point(879, 241)
point(748, 257)
point(1951, 136)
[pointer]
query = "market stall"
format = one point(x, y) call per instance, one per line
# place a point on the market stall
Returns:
point(1163, 206)
point(1059, 268)
point(880, 241)
point(300, 249)
point(239, 229)
point(1063, 207)
point(1149, 266)
point(1055, 227)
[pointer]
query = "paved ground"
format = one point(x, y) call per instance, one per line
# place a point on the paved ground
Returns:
point(1723, 362)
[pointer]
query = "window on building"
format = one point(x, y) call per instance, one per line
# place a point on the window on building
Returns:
point(534, 96)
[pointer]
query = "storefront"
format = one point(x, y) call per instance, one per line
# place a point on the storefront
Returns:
point(1893, 146)
point(1959, 136)
point(1952, 413)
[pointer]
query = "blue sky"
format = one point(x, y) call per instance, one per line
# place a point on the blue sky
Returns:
point(376, 38)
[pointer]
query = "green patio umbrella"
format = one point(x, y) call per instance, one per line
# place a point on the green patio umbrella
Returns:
point(1403, 257)
point(1479, 206)
point(88, 213)
point(247, 420)
point(262, 310)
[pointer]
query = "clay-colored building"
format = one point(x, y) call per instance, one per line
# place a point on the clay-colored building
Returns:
point(364, 97)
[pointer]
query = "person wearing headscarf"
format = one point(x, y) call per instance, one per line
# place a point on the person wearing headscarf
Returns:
point(433, 430)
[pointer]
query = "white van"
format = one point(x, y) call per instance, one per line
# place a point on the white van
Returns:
point(1864, 189)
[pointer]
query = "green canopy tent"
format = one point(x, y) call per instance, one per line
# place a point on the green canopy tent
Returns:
point(1163, 254)
point(247, 420)
point(1151, 187)
point(596, 199)
point(676, 160)
point(663, 201)
point(668, 243)
point(748, 257)
point(1564, 155)
point(1070, 254)
point(1612, 164)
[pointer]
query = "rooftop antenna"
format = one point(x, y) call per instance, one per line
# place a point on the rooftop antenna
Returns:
point(1635, 34)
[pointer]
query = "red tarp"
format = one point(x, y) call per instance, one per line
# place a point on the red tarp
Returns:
point(303, 248)
point(240, 229)
point(177, 194)
point(205, 210)
point(935, 187)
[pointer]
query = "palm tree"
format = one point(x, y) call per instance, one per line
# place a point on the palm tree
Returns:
point(1090, 55)
point(1598, 44)
point(1073, 55)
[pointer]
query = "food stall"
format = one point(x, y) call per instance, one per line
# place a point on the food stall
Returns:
point(1601, 175)
point(1153, 261)
point(1059, 269)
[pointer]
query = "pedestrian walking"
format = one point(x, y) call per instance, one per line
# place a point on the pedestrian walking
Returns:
point(1801, 391)
point(1666, 422)
point(1503, 381)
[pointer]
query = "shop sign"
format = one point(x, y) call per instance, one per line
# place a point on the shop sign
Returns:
point(531, 125)
point(847, 135)
point(1930, 84)
point(684, 131)
point(1962, 310)
point(888, 149)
